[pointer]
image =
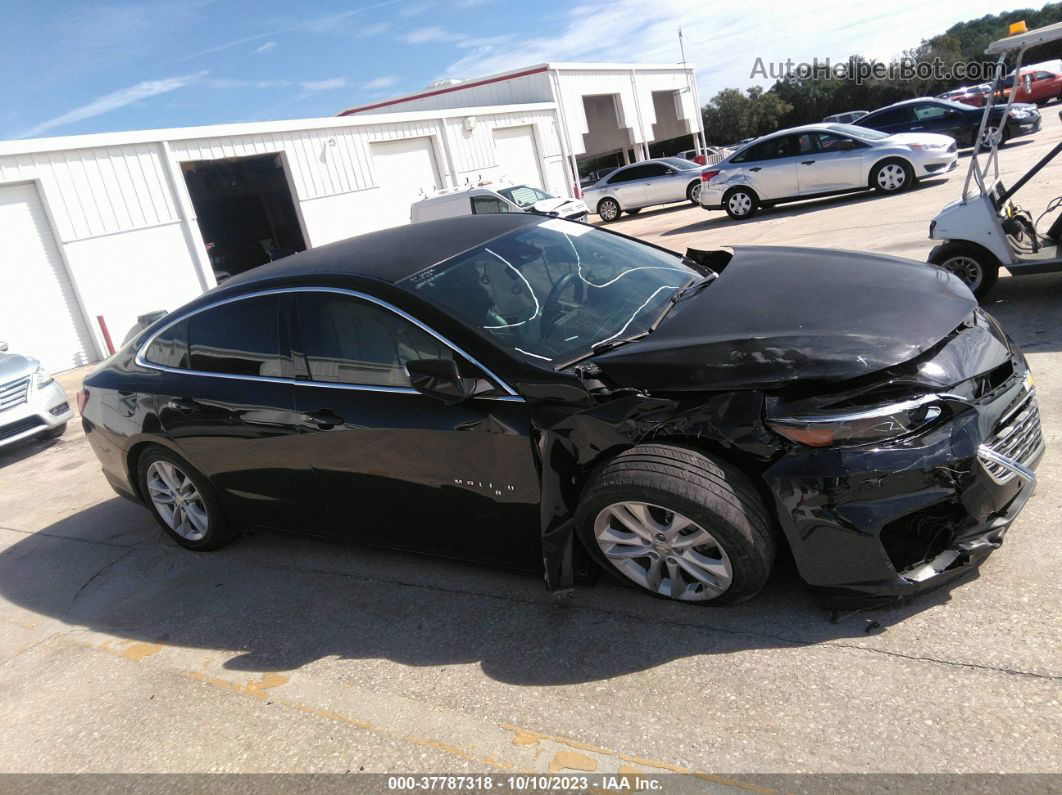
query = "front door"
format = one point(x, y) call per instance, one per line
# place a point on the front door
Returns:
point(834, 164)
point(400, 469)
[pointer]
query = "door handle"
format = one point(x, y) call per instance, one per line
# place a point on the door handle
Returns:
point(323, 419)
point(184, 405)
point(757, 168)
point(807, 162)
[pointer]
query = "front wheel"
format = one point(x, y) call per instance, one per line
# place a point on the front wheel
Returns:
point(693, 192)
point(977, 268)
point(892, 176)
point(608, 210)
point(993, 134)
point(673, 522)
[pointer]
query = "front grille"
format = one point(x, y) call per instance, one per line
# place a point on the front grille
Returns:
point(1017, 436)
point(14, 393)
point(19, 426)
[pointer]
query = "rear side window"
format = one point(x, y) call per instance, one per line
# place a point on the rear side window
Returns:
point(239, 338)
point(488, 204)
point(628, 175)
point(170, 347)
point(350, 341)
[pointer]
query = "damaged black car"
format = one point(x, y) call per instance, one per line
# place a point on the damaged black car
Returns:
point(533, 392)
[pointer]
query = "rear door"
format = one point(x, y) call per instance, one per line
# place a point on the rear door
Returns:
point(228, 404)
point(771, 167)
point(661, 183)
point(628, 186)
point(397, 468)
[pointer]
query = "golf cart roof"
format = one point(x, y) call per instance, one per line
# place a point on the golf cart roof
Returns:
point(1020, 40)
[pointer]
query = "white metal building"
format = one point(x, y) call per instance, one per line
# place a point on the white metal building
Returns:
point(100, 229)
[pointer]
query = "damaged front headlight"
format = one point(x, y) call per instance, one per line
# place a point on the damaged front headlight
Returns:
point(859, 426)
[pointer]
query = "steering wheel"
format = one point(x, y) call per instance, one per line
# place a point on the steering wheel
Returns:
point(551, 309)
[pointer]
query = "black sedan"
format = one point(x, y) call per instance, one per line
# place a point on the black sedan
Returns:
point(528, 391)
point(961, 122)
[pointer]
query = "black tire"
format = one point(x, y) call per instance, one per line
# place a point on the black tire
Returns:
point(977, 267)
point(711, 493)
point(1003, 138)
point(693, 193)
point(608, 209)
point(733, 203)
point(55, 432)
point(635, 211)
point(894, 175)
point(219, 531)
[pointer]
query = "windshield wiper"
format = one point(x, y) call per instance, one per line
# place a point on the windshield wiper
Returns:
point(690, 289)
point(601, 347)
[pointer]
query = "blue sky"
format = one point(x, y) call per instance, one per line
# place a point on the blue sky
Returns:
point(78, 67)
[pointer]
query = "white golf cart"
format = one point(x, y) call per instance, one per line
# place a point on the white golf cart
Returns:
point(984, 229)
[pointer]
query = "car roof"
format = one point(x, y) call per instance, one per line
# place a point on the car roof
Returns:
point(392, 254)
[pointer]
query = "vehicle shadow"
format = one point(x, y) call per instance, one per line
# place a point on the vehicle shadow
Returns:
point(20, 451)
point(719, 219)
point(279, 602)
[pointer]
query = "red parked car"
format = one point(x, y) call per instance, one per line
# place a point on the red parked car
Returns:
point(1036, 85)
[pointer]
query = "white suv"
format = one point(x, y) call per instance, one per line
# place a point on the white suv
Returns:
point(479, 199)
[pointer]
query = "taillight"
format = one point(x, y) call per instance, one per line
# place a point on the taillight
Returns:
point(707, 176)
point(82, 400)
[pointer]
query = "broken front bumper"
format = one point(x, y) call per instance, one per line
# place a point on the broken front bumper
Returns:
point(897, 519)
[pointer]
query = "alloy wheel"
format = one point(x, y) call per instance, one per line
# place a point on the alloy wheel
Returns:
point(608, 210)
point(740, 203)
point(990, 137)
point(177, 500)
point(695, 193)
point(966, 268)
point(891, 177)
point(663, 551)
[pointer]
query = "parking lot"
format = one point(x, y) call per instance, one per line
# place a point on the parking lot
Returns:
point(122, 652)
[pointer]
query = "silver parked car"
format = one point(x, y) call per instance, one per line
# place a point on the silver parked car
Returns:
point(31, 402)
point(820, 160)
point(650, 182)
point(845, 118)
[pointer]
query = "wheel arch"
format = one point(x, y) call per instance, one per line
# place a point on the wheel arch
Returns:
point(132, 456)
point(889, 159)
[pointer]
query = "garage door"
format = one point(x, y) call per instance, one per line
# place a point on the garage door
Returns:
point(405, 171)
point(39, 313)
point(517, 155)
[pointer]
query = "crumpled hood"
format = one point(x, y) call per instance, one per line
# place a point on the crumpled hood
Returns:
point(779, 314)
point(564, 207)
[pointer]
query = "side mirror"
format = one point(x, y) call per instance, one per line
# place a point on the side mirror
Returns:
point(3, 346)
point(439, 379)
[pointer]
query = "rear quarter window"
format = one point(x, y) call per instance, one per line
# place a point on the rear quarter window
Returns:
point(169, 348)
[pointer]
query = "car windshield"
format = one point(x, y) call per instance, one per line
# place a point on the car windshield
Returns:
point(865, 133)
point(524, 195)
point(554, 292)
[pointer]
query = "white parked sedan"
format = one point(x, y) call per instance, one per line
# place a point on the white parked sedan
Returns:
point(630, 188)
point(820, 160)
point(31, 402)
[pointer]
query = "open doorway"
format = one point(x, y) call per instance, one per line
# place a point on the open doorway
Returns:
point(245, 211)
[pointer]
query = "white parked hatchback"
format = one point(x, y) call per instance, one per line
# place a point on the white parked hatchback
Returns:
point(820, 160)
point(491, 198)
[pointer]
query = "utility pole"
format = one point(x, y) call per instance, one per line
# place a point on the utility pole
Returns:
point(693, 95)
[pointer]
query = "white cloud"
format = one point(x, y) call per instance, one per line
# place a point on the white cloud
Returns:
point(331, 83)
point(269, 45)
point(722, 39)
point(114, 101)
point(425, 35)
point(379, 82)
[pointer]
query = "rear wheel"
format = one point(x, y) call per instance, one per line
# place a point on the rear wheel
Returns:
point(977, 267)
point(182, 500)
point(892, 176)
point(675, 523)
point(740, 203)
point(608, 210)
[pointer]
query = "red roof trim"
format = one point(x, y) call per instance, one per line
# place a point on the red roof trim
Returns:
point(447, 90)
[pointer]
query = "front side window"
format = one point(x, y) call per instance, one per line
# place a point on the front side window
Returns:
point(555, 291)
point(239, 338)
point(350, 341)
point(488, 204)
point(656, 170)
